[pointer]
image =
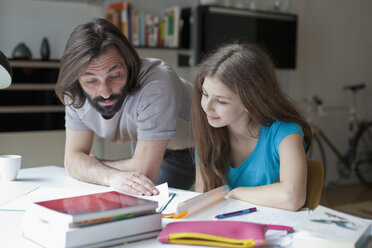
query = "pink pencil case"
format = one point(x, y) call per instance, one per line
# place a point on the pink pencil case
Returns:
point(217, 233)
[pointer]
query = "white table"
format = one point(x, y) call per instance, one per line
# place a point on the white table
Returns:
point(55, 179)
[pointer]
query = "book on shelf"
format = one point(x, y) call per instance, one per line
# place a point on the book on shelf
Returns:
point(161, 33)
point(98, 235)
point(141, 27)
point(326, 227)
point(155, 32)
point(129, 23)
point(113, 13)
point(123, 10)
point(90, 209)
point(135, 28)
point(113, 17)
point(148, 27)
point(172, 27)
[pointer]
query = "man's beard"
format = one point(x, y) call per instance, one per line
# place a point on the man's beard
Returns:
point(108, 111)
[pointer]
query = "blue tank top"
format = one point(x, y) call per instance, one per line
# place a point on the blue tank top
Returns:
point(262, 166)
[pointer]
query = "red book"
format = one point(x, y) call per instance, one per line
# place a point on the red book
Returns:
point(90, 208)
point(113, 16)
point(122, 9)
point(118, 5)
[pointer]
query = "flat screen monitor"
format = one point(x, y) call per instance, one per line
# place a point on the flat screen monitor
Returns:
point(275, 31)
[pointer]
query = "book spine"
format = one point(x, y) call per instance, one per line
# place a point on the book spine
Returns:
point(172, 21)
point(129, 22)
point(142, 35)
point(136, 29)
point(124, 22)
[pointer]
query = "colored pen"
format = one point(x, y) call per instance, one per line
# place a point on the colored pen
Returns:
point(236, 213)
point(166, 205)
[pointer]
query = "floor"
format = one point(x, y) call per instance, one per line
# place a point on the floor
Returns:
point(355, 199)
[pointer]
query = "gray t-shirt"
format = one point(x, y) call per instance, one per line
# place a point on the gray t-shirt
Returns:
point(159, 110)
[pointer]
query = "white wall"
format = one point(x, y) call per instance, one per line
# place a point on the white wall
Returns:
point(334, 42)
point(30, 20)
point(36, 148)
point(334, 39)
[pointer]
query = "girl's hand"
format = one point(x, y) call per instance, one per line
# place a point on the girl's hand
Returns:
point(231, 194)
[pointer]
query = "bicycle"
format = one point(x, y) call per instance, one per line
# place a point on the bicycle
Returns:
point(358, 157)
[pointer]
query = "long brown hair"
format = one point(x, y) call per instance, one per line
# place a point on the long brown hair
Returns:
point(248, 71)
point(87, 41)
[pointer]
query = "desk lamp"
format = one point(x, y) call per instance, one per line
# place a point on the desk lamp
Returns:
point(5, 72)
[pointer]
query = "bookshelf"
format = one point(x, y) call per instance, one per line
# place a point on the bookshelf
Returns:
point(192, 21)
point(203, 28)
point(29, 103)
point(144, 28)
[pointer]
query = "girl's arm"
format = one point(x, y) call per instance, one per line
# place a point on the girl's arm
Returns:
point(199, 186)
point(290, 192)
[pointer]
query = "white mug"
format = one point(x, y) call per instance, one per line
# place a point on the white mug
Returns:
point(9, 166)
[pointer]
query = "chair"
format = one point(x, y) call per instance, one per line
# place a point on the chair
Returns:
point(314, 188)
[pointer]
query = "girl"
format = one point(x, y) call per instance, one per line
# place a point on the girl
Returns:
point(248, 134)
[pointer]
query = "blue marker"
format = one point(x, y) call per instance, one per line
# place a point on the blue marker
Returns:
point(236, 213)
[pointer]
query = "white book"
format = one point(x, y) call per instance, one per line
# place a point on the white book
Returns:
point(90, 208)
point(136, 29)
point(329, 228)
point(172, 26)
point(113, 232)
point(155, 32)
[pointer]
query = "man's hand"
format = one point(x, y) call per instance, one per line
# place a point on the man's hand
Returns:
point(130, 175)
point(132, 182)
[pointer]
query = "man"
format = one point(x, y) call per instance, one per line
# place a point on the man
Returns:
point(110, 91)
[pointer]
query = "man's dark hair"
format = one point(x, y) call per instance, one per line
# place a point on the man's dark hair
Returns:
point(88, 41)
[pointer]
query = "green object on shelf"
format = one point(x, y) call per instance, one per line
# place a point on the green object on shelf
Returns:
point(21, 51)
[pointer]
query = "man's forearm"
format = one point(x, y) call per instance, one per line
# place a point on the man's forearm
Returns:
point(128, 165)
point(88, 169)
point(121, 164)
point(146, 161)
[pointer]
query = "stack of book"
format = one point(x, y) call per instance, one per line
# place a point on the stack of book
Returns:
point(93, 220)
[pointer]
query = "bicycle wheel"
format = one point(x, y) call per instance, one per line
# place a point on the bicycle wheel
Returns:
point(363, 153)
point(316, 152)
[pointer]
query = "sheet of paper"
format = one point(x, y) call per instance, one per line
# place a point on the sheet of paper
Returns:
point(11, 191)
point(328, 223)
point(277, 238)
point(161, 198)
point(265, 215)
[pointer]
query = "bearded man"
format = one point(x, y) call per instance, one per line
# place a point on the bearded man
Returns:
point(108, 90)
